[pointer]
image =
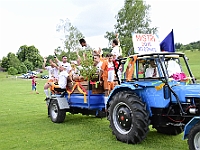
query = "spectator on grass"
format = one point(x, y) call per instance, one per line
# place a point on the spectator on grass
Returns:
point(34, 82)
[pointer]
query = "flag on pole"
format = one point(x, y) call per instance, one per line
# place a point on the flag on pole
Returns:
point(168, 43)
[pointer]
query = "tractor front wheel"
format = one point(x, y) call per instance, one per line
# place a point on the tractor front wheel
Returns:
point(57, 115)
point(129, 119)
point(194, 138)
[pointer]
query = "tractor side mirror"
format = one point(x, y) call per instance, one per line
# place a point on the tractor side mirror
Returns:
point(166, 91)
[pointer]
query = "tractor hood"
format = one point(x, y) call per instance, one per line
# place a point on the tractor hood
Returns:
point(183, 91)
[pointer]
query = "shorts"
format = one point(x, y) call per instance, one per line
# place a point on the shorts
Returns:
point(111, 85)
point(107, 85)
point(50, 80)
point(33, 87)
point(56, 87)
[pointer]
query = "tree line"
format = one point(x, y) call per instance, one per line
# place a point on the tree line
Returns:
point(191, 46)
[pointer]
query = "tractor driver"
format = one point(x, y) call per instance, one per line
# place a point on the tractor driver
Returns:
point(152, 71)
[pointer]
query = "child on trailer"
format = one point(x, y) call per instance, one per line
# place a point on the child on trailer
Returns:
point(34, 82)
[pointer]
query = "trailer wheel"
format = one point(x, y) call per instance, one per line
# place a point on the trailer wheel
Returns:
point(57, 115)
point(129, 119)
point(170, 130)
point(194, 138)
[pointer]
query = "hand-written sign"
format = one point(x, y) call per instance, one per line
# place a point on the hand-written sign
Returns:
point(145, 43)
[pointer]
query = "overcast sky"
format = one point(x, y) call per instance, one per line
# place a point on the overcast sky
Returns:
point(33, 22)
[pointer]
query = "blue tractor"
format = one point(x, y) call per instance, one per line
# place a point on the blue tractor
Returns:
point(158, 94)
point(169, 101)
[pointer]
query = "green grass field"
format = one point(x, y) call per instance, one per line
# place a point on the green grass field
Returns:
point(194, 63)
point(24, 123)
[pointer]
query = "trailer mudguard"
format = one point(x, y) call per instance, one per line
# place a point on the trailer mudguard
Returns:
point(62, 102)
point(189, 125)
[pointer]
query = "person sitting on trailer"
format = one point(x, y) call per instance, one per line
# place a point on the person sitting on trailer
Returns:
point(107, 73)
point(61, 84)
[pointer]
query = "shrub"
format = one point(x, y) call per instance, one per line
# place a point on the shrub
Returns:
point(22, 68)
point(12, 71)
point(29, 65)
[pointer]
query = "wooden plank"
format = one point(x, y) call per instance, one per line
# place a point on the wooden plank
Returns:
point(98, 90)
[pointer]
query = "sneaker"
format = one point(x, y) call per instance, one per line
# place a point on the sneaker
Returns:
point(47, 98)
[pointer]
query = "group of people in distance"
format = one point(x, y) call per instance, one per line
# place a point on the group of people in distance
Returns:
point(61, 72)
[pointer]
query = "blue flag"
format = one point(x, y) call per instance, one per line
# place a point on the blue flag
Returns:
point(168, 43)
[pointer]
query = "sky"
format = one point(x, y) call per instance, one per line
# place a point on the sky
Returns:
point(33, 22)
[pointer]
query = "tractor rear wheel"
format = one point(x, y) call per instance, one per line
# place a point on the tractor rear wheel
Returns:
point(194, 138)
point(170, 130)
point(129, 119)
point(57, 115)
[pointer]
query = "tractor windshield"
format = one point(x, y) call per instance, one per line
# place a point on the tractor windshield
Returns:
point(157, 66)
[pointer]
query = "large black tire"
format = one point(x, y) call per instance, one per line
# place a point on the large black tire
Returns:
point(194, 138)
point(129, 119)
point(170, 130)
point(57, 115)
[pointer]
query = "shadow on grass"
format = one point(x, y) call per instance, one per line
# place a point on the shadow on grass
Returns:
point(93, 128)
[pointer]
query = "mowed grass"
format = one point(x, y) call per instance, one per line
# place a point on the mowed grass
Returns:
point(194, 63)
point(24, 123)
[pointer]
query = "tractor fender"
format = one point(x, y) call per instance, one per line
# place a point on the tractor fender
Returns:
point(122, 87)
point(189, 126)
point(62, 102)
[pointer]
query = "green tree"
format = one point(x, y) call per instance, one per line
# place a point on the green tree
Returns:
point(23, 53)
point(4, 63)
point(22, 68)
point(182, 48)
point(28, 65)
point(13, 61)
point(71, 35)
point(12, 71)
point(188, 47)
point(72, 41)
point(133, 17)
point(88, 70)
point(48, 58)
point(178, 45)
point(30, 53)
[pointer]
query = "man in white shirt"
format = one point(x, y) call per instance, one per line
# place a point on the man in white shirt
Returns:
point(62, 81)
point(152, 71)
point(111, 73)
point(115, 50)
point(52, 69)
point(64, 63)
point(53, 74)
